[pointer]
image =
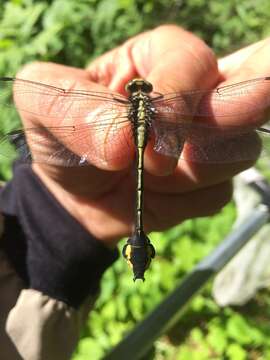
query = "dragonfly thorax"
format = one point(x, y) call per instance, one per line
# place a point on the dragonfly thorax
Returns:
point(139, 85)
point(141, 111)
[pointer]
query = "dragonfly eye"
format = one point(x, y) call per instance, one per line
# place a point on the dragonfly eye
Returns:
point(136, 85)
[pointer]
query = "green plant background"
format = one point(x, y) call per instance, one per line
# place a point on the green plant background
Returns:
point(75, 31)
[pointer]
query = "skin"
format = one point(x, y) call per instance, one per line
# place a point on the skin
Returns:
point(101, 198)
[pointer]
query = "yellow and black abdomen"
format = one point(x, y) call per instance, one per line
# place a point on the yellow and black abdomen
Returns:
point(138, 253)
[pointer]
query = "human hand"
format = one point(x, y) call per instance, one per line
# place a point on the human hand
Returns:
point(101, 198)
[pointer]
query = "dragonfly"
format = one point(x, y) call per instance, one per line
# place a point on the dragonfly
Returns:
point(87, 128)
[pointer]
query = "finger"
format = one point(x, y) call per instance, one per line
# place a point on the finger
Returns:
point(91, 125)
point(163, 211)
point(248, 104)
point(87, 182)
point(177, 60)
point(114, 69)
point(188, 177)
point(232, 62)
point(170, 57)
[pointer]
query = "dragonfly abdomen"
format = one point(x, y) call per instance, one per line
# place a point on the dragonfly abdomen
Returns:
point(141, 124)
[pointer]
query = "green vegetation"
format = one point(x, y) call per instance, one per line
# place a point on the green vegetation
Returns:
point(75, 31)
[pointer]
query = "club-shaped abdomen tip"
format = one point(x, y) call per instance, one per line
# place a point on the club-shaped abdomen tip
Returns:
point(138, 278)
point(138, 252)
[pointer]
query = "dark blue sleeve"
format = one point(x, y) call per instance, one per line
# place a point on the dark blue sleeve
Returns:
point(48, 248)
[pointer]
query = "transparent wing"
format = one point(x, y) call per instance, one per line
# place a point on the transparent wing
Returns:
point(71, 145)
point(196, 142)
point(50, 101)
point(206, 139)
point(100, 130)
point(242, 98)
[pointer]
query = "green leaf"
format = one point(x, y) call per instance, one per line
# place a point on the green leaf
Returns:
point(236, 352)
point(217, 339)
point(239, 330)
point(88, 349)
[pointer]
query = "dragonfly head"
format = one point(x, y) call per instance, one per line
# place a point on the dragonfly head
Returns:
point(136, 85)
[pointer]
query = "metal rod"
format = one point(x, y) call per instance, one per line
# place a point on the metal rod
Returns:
point(164, 316)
